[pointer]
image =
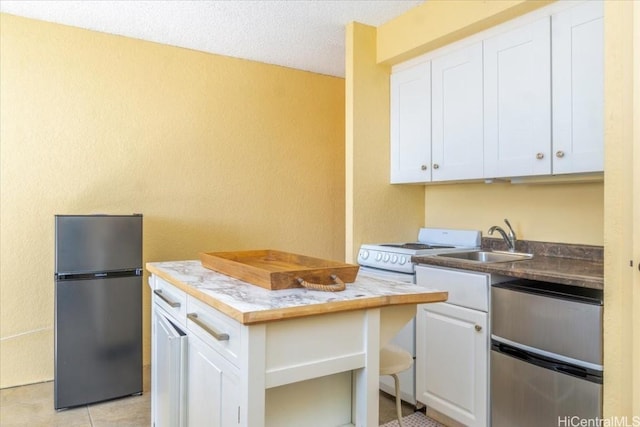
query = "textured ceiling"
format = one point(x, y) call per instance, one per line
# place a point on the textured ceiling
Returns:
point(304, 34)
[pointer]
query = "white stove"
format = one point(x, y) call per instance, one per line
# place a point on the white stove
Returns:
point(393, 261)
point(396, 257)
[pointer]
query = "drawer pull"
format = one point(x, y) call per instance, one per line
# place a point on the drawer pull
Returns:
point(220, 336)
point(173, 304)
point(478, 328)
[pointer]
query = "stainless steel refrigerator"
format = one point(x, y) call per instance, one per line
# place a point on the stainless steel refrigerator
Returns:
point(98, 308)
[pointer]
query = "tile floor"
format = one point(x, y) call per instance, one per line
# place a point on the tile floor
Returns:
point(387, 408)
point(32, 406)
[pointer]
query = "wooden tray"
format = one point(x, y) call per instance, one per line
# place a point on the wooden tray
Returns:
point(274, 270)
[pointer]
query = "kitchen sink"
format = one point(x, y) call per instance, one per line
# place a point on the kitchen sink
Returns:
point(487, 256)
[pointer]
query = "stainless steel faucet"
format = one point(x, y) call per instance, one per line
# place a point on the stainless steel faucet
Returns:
point(509, 239)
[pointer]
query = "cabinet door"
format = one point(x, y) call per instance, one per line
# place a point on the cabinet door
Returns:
point(411, 124)
point(213, 388)
point(452, 362)
point(517, 102)
point(578, 89)
point(169, 362)
point(457, 119)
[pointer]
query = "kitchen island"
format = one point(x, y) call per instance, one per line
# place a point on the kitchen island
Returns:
point(254, 357)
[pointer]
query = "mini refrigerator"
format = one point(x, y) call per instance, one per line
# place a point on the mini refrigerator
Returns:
point(98, 308)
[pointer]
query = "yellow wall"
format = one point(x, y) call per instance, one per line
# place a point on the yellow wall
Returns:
point(436, 23)
point(622, 196)
point(217, 153)
point(635, 220)
point(376, 211)
point(569, 213)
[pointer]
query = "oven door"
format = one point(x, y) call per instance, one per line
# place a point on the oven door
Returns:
point(406, 339)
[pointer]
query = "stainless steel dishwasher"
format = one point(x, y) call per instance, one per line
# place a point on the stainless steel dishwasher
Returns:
point(546, 354)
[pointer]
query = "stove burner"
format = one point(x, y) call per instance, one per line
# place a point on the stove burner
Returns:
point(417, 246)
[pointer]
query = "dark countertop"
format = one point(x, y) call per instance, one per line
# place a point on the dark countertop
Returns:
point(575, 265)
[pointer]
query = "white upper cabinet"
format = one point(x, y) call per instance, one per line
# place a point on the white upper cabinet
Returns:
point(517, 102)
point(457, 127)
point(522, 99)
point(578, 91)
point(411, 124)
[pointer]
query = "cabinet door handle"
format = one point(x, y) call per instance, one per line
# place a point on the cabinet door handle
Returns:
point(478, 328)
point(173, 304)
point(423, 167)
point(220, 336)
point(540, 156)
point(436, 166)
point(559, 154)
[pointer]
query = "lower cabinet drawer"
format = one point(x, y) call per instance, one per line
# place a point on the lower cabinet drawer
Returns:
point(216, 329)
point(466, 289)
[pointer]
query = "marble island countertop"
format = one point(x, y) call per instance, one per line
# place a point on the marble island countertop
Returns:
point(574, 265)
point(249, 304)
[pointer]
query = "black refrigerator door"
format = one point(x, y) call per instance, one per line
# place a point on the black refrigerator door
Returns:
point(98, 340)
point(98, 243)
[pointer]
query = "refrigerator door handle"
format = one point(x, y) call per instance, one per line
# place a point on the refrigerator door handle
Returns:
point(512, 351)
point(171, 303)
point(548, 363)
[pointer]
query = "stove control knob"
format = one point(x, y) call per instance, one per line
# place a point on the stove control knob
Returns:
point(379, 256)
point(403, 260)
point(394, 259)
point(364, 254)
point(386, 257)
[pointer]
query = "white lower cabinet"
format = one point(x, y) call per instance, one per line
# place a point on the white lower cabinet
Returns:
point(213, 394)
point(452, 345)
point(169, 351)
point(193, 384)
